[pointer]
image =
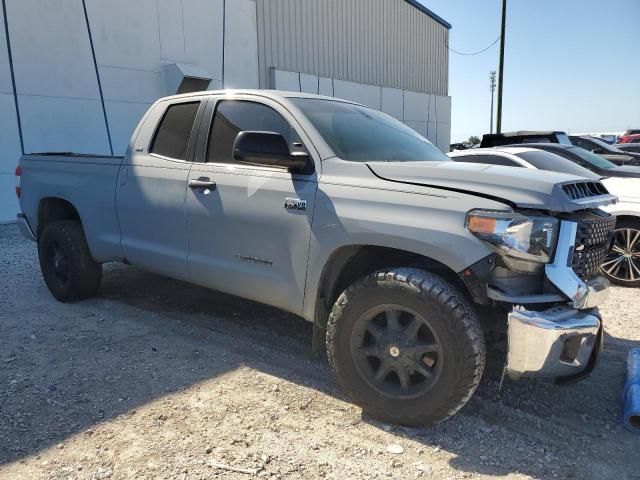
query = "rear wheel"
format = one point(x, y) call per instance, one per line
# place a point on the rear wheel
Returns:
point(406, 346)
point(67, 267)
point(622, 265)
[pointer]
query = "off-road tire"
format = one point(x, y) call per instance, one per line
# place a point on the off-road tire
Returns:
point(451, 316)
point(84, 273)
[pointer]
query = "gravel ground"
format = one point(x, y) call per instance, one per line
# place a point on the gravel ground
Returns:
point(159, 379)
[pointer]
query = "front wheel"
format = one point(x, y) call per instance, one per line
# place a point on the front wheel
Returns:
point(622, 265)
point(406, 346)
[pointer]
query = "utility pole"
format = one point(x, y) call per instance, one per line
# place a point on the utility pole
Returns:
point(492, 87)
point(501, 70)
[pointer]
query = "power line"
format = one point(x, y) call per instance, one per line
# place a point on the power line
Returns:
point(475, 53)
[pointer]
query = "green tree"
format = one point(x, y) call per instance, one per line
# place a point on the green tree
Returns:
point(473, 140)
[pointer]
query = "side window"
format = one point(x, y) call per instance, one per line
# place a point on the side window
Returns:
point(489, 159)
point(172, 135)
point(235, 116)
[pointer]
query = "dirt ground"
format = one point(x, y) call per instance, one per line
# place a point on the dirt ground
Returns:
point(159, 379)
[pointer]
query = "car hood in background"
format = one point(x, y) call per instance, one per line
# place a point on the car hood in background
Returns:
point(521, 187)
point(625, 171)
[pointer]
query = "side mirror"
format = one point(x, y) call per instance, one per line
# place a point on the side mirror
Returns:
point(267, 148)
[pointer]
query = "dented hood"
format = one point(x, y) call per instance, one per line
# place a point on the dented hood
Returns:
point(518, 187)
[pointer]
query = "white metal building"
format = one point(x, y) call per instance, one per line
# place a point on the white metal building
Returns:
point(76, 75)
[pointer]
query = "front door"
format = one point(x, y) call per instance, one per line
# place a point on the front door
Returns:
point(249, 226)
point(152, 188)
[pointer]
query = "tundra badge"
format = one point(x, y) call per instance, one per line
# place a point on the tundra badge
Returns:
point(295, 204)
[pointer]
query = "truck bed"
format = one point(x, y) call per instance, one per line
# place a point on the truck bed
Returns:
point(87, 182)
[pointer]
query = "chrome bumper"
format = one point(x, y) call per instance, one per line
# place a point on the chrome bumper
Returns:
point(559, 342)
point(24, 227)
point(582, 294)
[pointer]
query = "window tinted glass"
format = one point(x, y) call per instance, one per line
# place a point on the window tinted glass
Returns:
point(490, 159)
point(549, 161)
point(235, 116)
point(591, 158)
point(172, 136)
point(362, 134)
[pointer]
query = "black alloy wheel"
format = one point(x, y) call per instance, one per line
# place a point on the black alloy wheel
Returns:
point(397, 351)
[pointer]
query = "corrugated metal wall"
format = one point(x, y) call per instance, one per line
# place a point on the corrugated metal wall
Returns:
point(379, 42)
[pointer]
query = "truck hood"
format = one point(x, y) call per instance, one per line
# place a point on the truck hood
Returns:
point(518, 187)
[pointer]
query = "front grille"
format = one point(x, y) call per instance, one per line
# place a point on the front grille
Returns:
point(579, 190)
point(593, 239)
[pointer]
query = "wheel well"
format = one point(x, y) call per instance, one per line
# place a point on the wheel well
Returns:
point(628, 218)
point(53, 209)
point(350, 263)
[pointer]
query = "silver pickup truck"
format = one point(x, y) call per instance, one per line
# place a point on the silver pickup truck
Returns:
point(338, 213)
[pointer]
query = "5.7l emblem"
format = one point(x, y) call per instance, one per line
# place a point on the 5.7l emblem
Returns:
point(295, 204)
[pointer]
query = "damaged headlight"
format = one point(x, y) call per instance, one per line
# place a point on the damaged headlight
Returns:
point(512, 234)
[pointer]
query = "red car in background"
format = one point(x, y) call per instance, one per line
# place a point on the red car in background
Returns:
point(630, 137)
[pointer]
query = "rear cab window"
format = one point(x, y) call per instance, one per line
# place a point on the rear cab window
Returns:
point(174, 131)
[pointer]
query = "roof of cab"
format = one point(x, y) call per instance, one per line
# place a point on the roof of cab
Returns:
point(275, 94)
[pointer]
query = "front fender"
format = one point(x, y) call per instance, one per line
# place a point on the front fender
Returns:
point(430, 225)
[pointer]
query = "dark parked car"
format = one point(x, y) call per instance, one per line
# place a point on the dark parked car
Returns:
point(629, 147)
point(610, 152)
point(588, 160)
point(524, 136)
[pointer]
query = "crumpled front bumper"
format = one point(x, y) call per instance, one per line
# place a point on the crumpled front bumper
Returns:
point(560, 342)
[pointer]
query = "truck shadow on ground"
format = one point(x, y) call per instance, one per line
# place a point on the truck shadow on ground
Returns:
point(82, 368)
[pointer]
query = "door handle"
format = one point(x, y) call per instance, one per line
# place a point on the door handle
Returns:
point(202, 182)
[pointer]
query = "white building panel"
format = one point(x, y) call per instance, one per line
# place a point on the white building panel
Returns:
point(241, 45)
point(170, 23)
point(128, 85)
point(286, 81)
point(8, 201)
point(51, 124)
point(9, 137)
point(416, 106)
point(125, 33)
point(443, 109)
point(433, 117)
point(203, 21)
point(51, 49)
point(5, 71)
point(392, 102)
point(325, 86)
point(432, 133)
point(308, 83)
point(123, 118)
point(444, 137)
point(420, 127)
point(358, 92)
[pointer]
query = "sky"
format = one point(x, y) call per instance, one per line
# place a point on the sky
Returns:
point(571, 65)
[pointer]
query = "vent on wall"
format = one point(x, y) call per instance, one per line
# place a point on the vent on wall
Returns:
point(184, 78)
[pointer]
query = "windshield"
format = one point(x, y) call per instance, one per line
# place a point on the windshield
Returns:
point(563, 138)
point(361, 134)
point(592, 158)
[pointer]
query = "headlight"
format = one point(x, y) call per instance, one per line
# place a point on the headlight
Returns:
point(516, 235)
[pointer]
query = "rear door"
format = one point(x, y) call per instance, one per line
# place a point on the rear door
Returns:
point(152, 188)
point(245, 236)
